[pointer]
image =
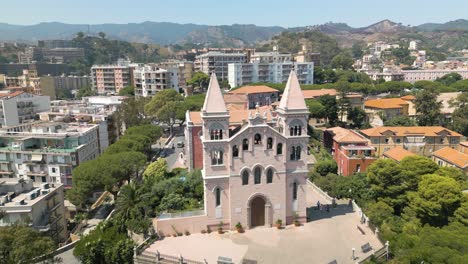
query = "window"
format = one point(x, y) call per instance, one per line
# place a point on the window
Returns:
point(398, 140)
point(43, 179)
point(235, 151)
point(386, 141)
point(217, 157)
point(279, 149)
point(257, 139)
point(295, 191)
point(18, 155)
point(441, 140)
point(269, 143)
point(358, 167)
point(54, 170)
point(245, 144)
point(218, 196)
point(245, 178)
point(295, 152)
point(216, 134)
point(269, 176)
point(453, 140)
point(257, 175)
point(291, 131)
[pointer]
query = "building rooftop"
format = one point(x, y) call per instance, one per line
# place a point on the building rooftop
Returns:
point(214, 101)
point(311, 94)
point(398, 153)
point(343, 135)
point(429, 131)
point(236, 117)
point(445, 98)
point(15, 192)
point(452, 156)
point(386, 103)
point(9, 94)
point(408, 97)
point(253, 90)
point(292, 98)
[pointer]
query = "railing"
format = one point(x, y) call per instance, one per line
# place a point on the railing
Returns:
point(320, 191)
point(181, 214)
point(163, 258)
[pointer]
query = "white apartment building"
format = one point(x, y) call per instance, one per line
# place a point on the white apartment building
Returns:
point(47, 152)
point(244, 73)
point(271, 57)
point(150, 79)
point(42, 204)
point(19, 107)
point(430, 75)
point(217, 62)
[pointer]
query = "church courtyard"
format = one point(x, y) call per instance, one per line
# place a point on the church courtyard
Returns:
point(329, 236)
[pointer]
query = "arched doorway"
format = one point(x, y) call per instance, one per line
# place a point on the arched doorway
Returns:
point(257, 212)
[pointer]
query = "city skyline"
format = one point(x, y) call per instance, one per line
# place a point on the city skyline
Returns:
point(210, 12)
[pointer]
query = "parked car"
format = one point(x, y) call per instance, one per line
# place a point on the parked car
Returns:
point(180, 144)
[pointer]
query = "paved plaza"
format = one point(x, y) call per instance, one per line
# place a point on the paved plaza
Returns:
point(329, 236)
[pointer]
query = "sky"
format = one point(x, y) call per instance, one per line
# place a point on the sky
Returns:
point(286, 13)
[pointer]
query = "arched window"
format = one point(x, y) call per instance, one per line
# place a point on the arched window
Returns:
point(299, 130)
point(216, 134)
point(245, 178)
point(269, 143)
point(269, 176)
point(235, 151)
point(298, 152)
point(295, 153)
point(245, 144)
point(279, 149)
point(291, 131)
point(257, 175)
point(295, 128)
point(295, 191)
point(218, 196)
point(257, 139)
point(216, 157)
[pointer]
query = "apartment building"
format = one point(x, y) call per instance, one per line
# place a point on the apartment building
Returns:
point(150, 79)
point(48, 151)
point(42, 204)
point(271, 57)
point(419, 140)
point(397, 154)
point(27, 80)
point(110, 79)
point(307, 55)
point(244, 73)
point(389, 107)
point(351, 151)
point(20, 107)
point(184, 70)
point(430, 75)
point(217, 62)
point(254, 96)
point(29, 55)
point(53, 86)
point(63, 55)
point(450, 157)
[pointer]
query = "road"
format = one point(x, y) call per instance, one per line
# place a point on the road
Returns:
point(173, 154)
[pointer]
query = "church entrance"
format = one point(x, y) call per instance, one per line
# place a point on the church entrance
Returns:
point(257, 212)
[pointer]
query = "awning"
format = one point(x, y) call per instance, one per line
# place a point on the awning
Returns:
point(36, 157)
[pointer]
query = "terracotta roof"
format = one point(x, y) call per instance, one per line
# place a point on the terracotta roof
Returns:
point(235, 98)
point(464, 143)
point(452, 156)
point(310, 94)
point(343, 135)
point(292, 98)
point(398, 153)
point(387, 103)
point(253, 90)
point(429, 131)
point(235, 116)
point(408, 97)
point(234, 107)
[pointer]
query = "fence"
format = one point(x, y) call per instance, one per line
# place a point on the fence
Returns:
point(320, 191)
point(163, 258)
point(181, 214)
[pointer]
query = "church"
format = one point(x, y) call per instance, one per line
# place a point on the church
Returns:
point(253, 162)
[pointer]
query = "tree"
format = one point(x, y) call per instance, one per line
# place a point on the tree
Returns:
point(131, 113)
point(167, 106)
point(331, 108)
point(156, 170)
point(358, 49)
point(461, 214)
point(342, 61)
point(459, 116)
point(326, 166)
point(357, 116)
point(413, 167)
point(133, 208)
point(379, 212)
point(23, 244)
point(127, 91)
point(427, 107)
point(394, 87)
point(200, 80)
point(194, 102)
point(450, 78)
point(436, 200)
point(400, 121)
point(316, 109)
point(85, 91)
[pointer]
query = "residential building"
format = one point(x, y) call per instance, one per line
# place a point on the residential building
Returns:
point(464, 147)
point(306, 55)
point(55, 43)
point(54, 86)
point(413, 76)
point(42, 204)
point(150, 79)
point(387, 76)
point(450, 157)
point(245, 73)
point(356, 100)
point(20, 107)
point(419, 140)
point(55, 69)
point(48, 151)
point(389, 107)
point(30, 55)
point(28, 80)
point(63, 55)
point(254, 172)
point(184, 69)
point(351, 151)
point(217, 62)
point(271, 57)
point(110, 79)
point(314, 94)
point(397, 154)
point(255, 96)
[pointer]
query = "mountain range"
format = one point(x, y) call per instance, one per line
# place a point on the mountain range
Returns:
point(165, 33)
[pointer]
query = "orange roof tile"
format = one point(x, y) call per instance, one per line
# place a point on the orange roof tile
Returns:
point(235, 98)
point(386, 103)
point(310, 94)
point(464, 143)
point(235, 116)
point(408, 97)
point(452, 156)
point(430, 131)
point(398, 153)
point(253, 90)
point(343, 135)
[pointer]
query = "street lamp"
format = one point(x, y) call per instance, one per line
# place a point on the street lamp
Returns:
point(387, 244)
point(353, 249)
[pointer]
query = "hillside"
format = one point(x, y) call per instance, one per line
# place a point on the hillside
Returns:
point(460, 24)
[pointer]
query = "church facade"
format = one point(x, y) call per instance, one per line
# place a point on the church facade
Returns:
point(253, 163)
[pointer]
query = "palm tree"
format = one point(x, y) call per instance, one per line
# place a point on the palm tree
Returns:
point(131, 201)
